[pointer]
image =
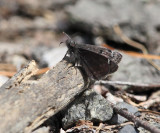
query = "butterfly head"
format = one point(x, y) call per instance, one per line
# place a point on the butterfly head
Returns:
point(69, 42)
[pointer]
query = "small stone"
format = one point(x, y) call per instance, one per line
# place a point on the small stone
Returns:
point(118, 119)
point(128, 129)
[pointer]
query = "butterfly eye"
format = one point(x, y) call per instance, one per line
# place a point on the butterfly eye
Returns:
point(72, 42)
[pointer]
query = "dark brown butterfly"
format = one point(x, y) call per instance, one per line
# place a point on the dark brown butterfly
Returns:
point(97, 62)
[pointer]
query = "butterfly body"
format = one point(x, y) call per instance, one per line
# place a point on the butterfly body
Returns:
point(98, 62)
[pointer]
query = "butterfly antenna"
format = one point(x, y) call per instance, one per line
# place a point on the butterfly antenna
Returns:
point(67, 35)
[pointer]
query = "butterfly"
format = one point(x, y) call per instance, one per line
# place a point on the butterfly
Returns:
point(97, 62)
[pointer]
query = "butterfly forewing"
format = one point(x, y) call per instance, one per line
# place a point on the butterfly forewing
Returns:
point(114, 56)
point(96, 66)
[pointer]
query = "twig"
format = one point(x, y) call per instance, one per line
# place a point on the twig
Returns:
point(43, 70)
point(140, 98)
point(149, 111)
point(135, 54)
point(127, 83)
point(119, 125)
point(101, 126)
point(136, 120)
point(132, 43)
point(26, 107)
point(135, 86)
point(154, 98)
point(144, 56)
point(7, 73)
point(7, 67)
point(114, 126)
point(21, 76)
point(128, 100)
point(10, 74)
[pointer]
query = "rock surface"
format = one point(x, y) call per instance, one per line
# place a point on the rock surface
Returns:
point(90, 106)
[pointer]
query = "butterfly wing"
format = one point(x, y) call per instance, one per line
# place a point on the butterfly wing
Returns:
point(97, 61)
point(96, 66)
point(114, 56)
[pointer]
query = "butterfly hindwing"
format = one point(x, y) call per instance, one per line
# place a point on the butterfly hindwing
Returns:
point(95, 64)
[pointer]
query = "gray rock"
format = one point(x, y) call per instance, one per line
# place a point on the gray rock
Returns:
point(118, 119)
point(90, 106)
point(53, 56)
point(135, 70)
point(128, 129)
point(107, 13)
point(138, 19)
